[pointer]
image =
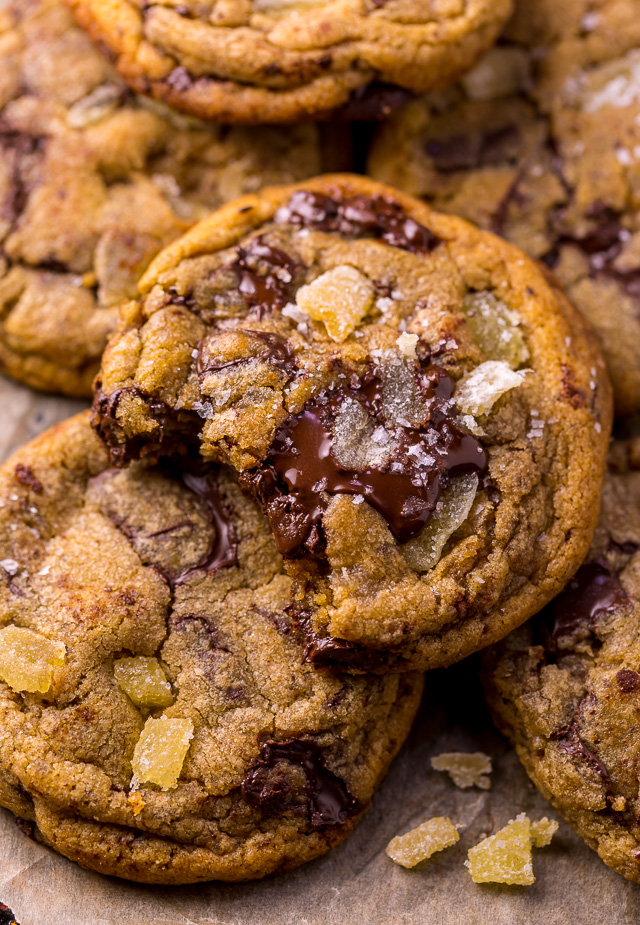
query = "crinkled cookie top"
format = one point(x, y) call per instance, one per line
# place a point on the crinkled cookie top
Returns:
point(421, 415)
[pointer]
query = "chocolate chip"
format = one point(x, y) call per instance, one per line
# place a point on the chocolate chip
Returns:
point(224, 548)
point(628, 680)
point(267, 786)
point(265, 274)
point(358, 217)
point(470, 151)
point(6, 916)
point(300, 472)
point(374, 102)
point(594, 590)
point(26, 476)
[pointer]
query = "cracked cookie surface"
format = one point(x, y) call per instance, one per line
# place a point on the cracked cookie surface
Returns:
point(541, 144)
point(176, 734)
point(281, 60)
point(565, 687)
point(94, 181)
point(421, 415)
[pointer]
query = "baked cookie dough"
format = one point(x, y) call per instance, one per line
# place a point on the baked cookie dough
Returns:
point(421, 414)
point(565, 688)
point(541, 144)
point(158, 722)
point(93, 183)
point(281, 60)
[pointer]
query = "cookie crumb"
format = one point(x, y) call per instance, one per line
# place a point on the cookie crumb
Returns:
point(466, 769)
point(420, 843)
point(137, 802)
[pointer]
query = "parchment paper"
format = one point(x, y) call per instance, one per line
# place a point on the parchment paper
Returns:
point(355, 884)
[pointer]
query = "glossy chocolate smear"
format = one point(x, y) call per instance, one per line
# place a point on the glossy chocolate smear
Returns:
point(301, 473)
point(594, 590)
point(265, 274)
point(358, 217)
point(224, 548)
point(326, 800)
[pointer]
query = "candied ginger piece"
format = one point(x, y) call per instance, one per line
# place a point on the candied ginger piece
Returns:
point(424, 551)
point(28, 659)
point(420, 843)
point(616, 83)
point(543, 831)
point(407, 344)
point(496, 328)
point(137, 803)
point(478, 392)
point(500, 73)
point(504, 857)
point(160, 751)
point(466, 769)
point(143, 681)
point(340, 298)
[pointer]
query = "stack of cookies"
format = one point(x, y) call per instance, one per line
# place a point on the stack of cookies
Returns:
point(342, 433)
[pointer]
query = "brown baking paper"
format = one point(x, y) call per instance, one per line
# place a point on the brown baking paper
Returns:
point(356, 883)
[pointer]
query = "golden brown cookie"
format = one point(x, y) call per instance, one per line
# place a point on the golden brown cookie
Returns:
point(94, 181)
point(540, 143)
point(565, 688)
point(421, 414)
point(158, 721)
point(280, 60)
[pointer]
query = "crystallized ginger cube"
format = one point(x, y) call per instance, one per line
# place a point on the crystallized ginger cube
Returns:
point(466, 769)
point(543, 831)
point(478, 392)
point(28, 659)
point(340, 298)
point(419, 844)
point(504, 857)
point(495, 328)
point(143, 681)
point(160, 751)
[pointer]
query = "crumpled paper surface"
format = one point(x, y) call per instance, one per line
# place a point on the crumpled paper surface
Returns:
point(356, 883)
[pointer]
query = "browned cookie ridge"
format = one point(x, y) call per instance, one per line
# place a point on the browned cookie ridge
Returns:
point(94, 181)
point(565, 688)
point(422, 416)
point(256, 61)
point(158, 721)
point(540, 143)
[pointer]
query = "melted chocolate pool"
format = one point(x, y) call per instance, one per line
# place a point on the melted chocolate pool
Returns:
point(301, 473)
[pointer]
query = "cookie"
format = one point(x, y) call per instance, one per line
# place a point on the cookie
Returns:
point(93, 183)
point(565, 688)
point(541, 144)
point(421, 415)
point(280, 60)
point(158, 720)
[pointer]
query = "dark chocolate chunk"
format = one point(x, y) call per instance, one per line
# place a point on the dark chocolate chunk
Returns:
point(593, 591)
point(358, 217)
point(628, 680)
point(265, 275)
point(300, 472)
point(26, 476)
point(266, 786)
point(569, 740)
point(224, 548)
point(470, 151)
point(374, 102)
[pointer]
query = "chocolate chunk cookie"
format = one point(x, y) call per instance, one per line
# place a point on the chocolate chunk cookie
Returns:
point(280, 60)
point(93, 183)
point(158, 720)
point(420, 414)
point(541, 144)
point(565, 688)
